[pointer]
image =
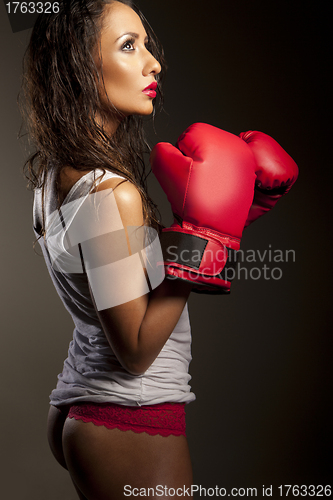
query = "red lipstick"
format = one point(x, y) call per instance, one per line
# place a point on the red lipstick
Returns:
point(150, 91)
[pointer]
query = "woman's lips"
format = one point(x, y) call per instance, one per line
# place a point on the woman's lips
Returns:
point(150, 91)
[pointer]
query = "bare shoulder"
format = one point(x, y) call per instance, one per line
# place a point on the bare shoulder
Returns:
point(128, 199)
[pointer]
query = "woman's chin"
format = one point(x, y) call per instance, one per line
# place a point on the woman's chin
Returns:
point(147, 110)
point(143, 111)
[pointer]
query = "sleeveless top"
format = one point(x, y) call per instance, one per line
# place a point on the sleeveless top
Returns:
point(92, 371)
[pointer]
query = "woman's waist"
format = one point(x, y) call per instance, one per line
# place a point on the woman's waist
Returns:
point(92, 351)
point(102, 367)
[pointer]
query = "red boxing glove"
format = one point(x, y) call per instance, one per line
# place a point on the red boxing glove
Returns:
point(276, 172)
point(209, 180)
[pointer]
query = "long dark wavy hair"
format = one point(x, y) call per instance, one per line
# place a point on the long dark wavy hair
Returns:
point(60, 100)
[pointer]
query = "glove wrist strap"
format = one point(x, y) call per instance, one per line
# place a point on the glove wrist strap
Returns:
point(199, 251)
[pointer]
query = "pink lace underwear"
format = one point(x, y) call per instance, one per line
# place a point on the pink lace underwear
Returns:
point(164, 419)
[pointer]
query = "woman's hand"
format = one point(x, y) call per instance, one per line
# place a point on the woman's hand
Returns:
point(210, 178)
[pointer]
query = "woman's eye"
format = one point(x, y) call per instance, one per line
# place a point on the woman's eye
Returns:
point(128, 45)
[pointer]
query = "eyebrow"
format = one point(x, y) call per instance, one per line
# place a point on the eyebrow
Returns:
point(134, 35)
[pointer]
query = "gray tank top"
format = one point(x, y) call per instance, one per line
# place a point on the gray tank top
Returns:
point(91, 371)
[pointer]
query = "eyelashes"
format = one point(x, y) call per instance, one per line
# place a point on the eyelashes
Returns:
point(129, 45)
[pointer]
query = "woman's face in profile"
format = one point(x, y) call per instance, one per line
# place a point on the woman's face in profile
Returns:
point(128, 67)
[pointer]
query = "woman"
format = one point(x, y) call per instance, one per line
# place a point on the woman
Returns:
point(117, 413)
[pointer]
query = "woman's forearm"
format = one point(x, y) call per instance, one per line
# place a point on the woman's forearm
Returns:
point(138, 330)
point(166, 304)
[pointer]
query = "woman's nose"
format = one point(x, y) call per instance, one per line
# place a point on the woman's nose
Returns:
point(152, 65)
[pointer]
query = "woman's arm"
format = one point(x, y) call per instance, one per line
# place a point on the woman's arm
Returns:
point(137, 330)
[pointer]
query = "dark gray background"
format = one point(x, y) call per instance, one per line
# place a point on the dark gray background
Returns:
point(261, 356)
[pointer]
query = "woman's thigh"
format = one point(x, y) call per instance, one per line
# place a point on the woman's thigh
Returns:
point(103, 461)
